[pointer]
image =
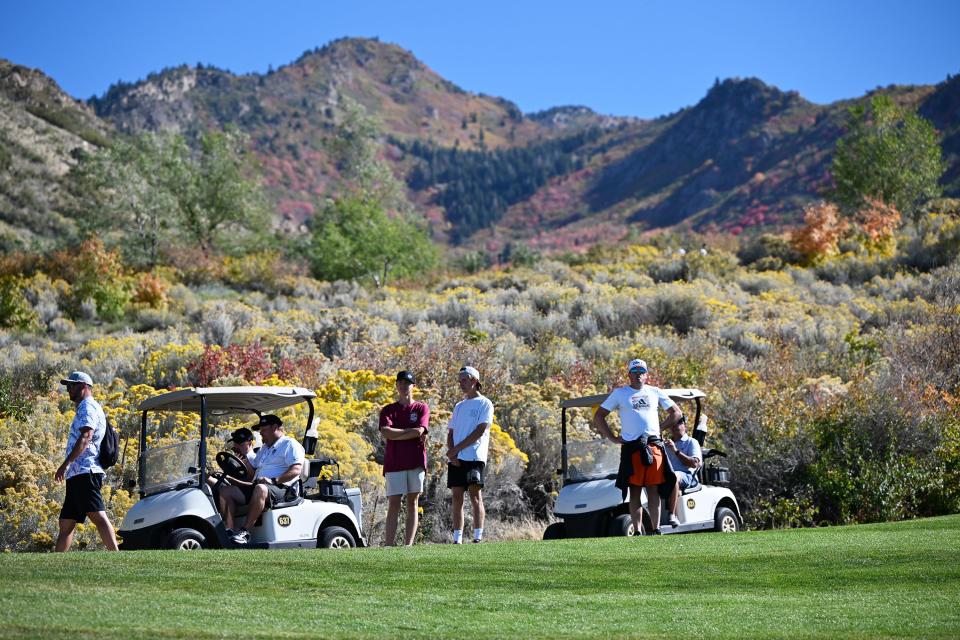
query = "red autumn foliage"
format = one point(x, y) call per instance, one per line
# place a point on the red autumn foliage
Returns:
point(251, 363)
point(822, 229)
point(878, 220)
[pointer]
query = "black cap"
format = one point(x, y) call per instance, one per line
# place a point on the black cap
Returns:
point(406, 376)
point(241, 435)
point(268, 418)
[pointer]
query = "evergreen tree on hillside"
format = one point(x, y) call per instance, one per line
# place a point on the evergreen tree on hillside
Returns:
point(479, 186)
point(355, 147)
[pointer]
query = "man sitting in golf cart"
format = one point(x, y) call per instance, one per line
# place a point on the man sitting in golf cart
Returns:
point(684, 453)
point(278, 465)
point(685, 458)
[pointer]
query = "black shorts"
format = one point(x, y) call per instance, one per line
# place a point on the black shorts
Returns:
point(83, 497)
point(275, 493)
point(457, 475)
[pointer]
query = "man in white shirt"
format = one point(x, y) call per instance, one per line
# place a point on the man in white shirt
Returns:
point(81, 469)
point(639, 422)
point(684, 453)
point(468, 439)
point(278, 465)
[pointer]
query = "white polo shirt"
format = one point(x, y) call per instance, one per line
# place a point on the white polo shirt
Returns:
point(273, 461)
point(638, 410)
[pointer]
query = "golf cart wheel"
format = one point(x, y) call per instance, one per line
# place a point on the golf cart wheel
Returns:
point(336, 538)
point(555, 531)
point(622, 525)
point(186, 539)
point(726, 521)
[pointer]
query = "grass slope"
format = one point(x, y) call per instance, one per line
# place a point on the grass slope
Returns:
point(888, 580)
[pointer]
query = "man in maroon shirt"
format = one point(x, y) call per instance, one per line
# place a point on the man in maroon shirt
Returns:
point(403, 425)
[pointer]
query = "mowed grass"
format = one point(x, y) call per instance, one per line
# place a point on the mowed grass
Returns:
point(889, 580)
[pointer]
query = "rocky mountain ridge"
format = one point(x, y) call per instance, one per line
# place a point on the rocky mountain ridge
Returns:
point(747, 156)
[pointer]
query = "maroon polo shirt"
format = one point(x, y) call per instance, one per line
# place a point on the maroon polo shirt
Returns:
point(402, 455)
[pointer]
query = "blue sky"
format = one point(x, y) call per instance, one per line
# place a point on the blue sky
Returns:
point(642, 57)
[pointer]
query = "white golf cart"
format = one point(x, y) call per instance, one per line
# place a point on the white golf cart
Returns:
point(590, 505)
point(178, 507)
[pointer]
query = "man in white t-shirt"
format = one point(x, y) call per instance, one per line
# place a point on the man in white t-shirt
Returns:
point(643, 463)
point(468, 439)
point(278, 465)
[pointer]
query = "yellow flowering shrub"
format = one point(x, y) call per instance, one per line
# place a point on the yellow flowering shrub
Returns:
point(166, 367)
point(350, 450)
point(350, 397)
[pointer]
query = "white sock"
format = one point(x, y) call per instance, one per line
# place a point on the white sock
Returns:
point(457, 536)
point(478, 534)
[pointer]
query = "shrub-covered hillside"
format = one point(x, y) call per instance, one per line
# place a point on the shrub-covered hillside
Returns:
point(833, 387)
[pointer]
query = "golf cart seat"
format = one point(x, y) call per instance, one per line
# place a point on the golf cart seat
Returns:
point(310, 474)
point(693, 489)
point(290, 503)
point(242, 509)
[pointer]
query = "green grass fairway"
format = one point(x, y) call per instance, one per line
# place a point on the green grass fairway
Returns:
point(889, 580)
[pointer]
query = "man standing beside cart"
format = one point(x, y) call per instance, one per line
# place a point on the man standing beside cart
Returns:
point(403, 425)
point(642, 462)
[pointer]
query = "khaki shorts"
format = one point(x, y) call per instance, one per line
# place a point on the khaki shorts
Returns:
point(400, 483)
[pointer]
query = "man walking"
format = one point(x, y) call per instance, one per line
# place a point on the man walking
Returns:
point(81, 468)
point(642, 463)
point(403, 425)
point(468, 439)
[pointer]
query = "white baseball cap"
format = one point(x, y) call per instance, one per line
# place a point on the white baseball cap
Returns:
point(78, 376)
point(638, 366)
point(473, 373)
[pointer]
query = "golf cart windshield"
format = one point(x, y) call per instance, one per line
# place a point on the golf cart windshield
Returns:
point(172, 455)
point(170, 466)
point(592, 460)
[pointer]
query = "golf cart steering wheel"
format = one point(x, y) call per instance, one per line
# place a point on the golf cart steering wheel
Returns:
point(231, 465)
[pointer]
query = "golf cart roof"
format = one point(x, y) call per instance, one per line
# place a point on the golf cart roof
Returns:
point(256, 399)
point(677, 395)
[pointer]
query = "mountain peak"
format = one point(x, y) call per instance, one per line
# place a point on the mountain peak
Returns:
point(361, 51)
point(749, 95)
